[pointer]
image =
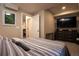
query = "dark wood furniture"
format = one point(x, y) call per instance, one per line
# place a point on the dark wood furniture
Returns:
point(66, 35)
point(50, 36)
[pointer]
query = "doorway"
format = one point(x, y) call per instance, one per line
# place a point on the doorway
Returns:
point(26, 26)
point(30, 26)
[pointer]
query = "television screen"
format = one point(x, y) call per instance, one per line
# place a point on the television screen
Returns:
point(66, 22)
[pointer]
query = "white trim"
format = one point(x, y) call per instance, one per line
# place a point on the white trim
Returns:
point(4, 17)
point(67, 12)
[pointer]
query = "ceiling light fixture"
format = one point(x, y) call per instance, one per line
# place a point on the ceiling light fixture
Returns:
point(63, 7)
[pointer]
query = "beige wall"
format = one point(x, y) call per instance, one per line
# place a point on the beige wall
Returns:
point(41, 24)
point(7, 30)
point(11, 31)
point(47, 23)
point(46, 19)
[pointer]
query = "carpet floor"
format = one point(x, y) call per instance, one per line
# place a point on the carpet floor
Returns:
point(73, 48)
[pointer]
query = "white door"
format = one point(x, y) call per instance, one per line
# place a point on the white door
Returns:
point(28, 27)
point(35, 26)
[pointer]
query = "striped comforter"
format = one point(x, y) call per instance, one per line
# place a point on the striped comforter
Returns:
point(37, 47)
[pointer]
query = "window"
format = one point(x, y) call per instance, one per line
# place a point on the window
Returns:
point(9, 18)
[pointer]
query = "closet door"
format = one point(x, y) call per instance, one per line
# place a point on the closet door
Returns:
point(35, 26)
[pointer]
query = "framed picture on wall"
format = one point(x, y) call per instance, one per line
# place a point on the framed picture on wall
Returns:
point(9, 17)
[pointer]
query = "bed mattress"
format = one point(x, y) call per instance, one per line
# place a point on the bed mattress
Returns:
point(37, 47)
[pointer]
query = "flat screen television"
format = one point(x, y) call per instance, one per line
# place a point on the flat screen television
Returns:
point(66, 22)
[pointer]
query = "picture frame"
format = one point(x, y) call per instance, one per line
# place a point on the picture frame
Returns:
point(9, 18)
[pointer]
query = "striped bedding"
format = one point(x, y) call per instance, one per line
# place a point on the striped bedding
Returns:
point(38, 47)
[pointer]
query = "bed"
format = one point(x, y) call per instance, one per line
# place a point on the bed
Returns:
point(32, 47)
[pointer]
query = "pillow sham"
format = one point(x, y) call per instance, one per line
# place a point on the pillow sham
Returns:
point(21, 44)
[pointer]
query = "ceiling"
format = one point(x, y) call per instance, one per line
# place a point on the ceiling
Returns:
point(54, 8)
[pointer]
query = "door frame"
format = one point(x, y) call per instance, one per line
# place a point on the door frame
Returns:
point(22, 23)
